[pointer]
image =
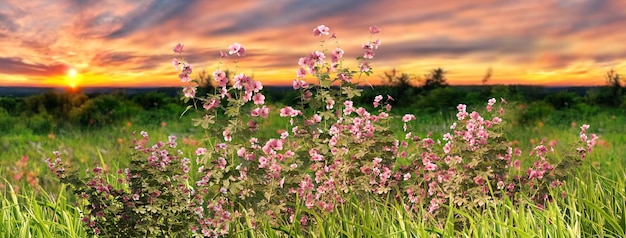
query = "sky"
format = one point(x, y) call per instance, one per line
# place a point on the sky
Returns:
point(128, 43)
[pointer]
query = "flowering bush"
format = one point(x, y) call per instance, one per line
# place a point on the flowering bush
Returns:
point(329, 150)
point(150, 198)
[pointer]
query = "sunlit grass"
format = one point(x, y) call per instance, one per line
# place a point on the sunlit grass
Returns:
point(593, 205)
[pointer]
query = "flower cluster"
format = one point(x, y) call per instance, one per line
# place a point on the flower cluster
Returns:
point(333, 149)
point(152, 196)
point(330, 150)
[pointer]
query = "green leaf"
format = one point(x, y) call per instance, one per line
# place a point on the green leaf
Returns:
point(325, 83)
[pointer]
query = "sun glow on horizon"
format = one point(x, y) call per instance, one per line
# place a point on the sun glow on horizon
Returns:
point(72, 78)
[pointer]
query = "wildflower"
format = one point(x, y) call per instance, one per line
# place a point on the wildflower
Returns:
point(364, 66)
point(178, 48)
point(176, 63)
point(318, 57)
point(344, 77)
point(227, 135)
point(330, 103)
point(300, 73)
point(408, 117)
point(374, 30)
point(369, 54)
point(201, 151)
point(258, 99)
point(321, 29)
point(338, 52)
point(220, 77)
point(189, 91)
point(376, 43)
point(236, 48)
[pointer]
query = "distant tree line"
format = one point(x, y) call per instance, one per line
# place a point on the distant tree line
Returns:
point(427, 94)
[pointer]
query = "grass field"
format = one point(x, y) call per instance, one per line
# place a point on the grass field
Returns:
point(34, 204)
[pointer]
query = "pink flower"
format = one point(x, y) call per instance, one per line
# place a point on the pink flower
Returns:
point(344, 77)
point(496, 120)
point(186, 69)
point(376, 43)
point(301, 73)
point(176, 63)
point(330, 103)
point(318, 57)
point(240, 80)
point(516, 164)
point(583, 128)
point(369, 54)
point(408, 117)
point(289, 111)
point(367, 46)
point(461, 107)
point(189, 91)
point(213, 103)
point(430, 166)
point(377, 100)
point(296, 84)
point(227, 135)
point(220, 77)
point(364, 67)
point(178, 48)
point(321, 29)
point(222, 54)
point(262, 162)
point(374, 30)
point(303, 61)
point(236, 48)
point(258, 99)
point(264, 111)
point(447, 147)
point(184, 78)
point(338, 52)
point(201, 151)
point(479, 180)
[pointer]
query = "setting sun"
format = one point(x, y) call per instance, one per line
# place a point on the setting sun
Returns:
point(72, 73)
point(72, 78)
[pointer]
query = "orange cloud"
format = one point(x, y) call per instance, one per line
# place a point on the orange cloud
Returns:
point(128, 43)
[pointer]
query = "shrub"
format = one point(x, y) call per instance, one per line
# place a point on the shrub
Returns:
point(101, 110)
point(150, 198)
point(329, 151)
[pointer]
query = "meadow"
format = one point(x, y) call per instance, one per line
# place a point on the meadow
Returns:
point(331, 159)
point(35, 204)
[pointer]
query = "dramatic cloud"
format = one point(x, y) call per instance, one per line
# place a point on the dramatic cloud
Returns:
point(18, 66)
point(126, 42)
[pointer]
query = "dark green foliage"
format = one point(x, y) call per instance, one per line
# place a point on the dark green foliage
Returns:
point(102, 110)
point(153, 100)
point(563, 99)
point(534, 111)
point(50, 111)
point(440, 99)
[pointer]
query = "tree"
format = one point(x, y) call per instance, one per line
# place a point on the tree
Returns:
point(487, 77)
point(614, 79)
point(435, 79)
point(403, 80)
point(614, 92)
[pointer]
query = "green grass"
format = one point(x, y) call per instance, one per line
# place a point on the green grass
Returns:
point(593, 206)
point(38, 215)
